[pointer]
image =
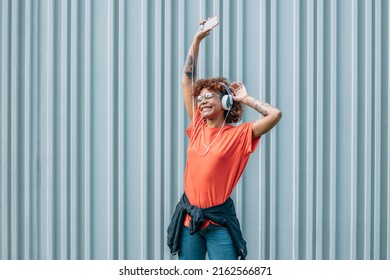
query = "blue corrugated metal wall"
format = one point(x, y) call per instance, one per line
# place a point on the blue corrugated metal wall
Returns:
point(92, 125)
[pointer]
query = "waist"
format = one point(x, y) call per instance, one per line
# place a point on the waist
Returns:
point(206, 222)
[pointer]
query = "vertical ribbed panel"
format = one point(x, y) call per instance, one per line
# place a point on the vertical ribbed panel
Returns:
point(92, 127)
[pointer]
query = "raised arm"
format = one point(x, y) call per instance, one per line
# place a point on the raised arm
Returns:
point(189, 71)
point(271, 114)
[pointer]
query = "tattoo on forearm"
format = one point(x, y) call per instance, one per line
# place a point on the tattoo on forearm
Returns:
point(189, 67)
point(259, 106)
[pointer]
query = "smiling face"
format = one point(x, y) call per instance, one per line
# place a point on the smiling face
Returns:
point(209, 104)
point(214, 86)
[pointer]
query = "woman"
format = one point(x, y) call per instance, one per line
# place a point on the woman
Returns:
point(205, 218)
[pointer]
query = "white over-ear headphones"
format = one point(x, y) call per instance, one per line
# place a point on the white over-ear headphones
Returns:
point(227, 99)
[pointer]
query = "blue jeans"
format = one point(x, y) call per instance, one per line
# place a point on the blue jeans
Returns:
point(215, 240)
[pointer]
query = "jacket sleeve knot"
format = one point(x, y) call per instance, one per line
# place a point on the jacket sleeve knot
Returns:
point(197, 218)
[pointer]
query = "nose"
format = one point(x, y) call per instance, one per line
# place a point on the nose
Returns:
point(201, 101)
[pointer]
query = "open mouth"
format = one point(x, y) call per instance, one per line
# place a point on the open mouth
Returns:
point(206, 108)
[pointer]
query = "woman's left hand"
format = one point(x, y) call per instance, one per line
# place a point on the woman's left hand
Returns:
point(239, 91)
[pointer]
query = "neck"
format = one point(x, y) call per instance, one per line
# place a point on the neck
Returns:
point(217, 122)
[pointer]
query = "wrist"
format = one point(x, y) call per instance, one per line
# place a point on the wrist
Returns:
point(247, 100)
point(196, 41)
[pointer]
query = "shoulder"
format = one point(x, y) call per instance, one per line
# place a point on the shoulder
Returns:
point(195, 122)
point(241, 127)
point(239, 130)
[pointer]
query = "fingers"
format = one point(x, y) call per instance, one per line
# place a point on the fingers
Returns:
point(238, 88)
point(202, 33)
point(234, 85)
point(238, 84)
point(201, 23)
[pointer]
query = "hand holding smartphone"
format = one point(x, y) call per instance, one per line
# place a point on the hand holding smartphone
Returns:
point(211, 23)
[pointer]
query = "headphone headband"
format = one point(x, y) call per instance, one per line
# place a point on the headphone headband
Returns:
point(226, 88)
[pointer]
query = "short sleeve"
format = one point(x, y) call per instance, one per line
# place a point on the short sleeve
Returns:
point(248, 143)
point(195, 123)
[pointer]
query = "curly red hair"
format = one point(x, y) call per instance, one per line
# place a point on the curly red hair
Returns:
point(236, 112)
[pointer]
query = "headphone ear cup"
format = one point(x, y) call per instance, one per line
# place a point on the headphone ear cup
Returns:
point(227, 99)
point(227, 102)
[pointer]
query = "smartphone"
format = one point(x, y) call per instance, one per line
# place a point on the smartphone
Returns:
point(211, 23)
